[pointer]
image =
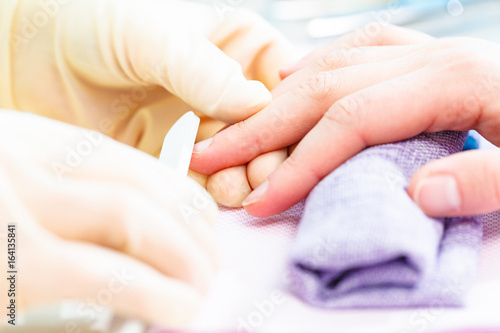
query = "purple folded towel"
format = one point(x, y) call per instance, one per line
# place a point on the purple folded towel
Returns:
point(362, 242)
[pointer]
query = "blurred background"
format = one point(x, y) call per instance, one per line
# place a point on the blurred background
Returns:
point(310, 23)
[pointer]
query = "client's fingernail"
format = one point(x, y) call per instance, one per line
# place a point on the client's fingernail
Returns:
point(202, 145)
point(256, 194)
point(438, 195)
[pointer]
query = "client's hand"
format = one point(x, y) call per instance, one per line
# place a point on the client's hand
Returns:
point(347, 99)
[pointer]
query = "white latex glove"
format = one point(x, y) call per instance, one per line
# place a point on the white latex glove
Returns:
point(130, 68)
point(89, 209)
point(99, 62)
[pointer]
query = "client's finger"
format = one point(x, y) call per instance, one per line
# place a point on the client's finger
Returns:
point(387, 35)
point(340, 58)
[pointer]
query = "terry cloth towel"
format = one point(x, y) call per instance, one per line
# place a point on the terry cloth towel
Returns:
point(362, 242)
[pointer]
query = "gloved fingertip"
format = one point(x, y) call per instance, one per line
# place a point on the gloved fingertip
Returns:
point(241, 101)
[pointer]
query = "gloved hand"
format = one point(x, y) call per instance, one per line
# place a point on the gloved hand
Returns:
point(130, 68)
point(95, 215)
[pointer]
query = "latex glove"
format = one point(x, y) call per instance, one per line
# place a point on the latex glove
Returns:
point(129, 69)
point(89, 209)
point(347, 100)
point(112, 65)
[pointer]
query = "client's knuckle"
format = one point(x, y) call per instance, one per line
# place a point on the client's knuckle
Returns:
point(344, 113)
point(459, 59)
point(320, 85)
point(251, 141)
point(334, 59)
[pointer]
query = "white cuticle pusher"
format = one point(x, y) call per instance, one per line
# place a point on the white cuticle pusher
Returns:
point(179, 142)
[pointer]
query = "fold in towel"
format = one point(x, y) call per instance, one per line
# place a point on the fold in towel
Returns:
point(362, 241)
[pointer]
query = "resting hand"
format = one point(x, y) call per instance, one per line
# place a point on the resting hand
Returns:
point(93, 214)
point(350, 99)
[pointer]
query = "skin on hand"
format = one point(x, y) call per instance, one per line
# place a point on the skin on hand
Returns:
point(351, 99)
point(116, 211)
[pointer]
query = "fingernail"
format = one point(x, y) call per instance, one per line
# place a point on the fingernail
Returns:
point(202, 145)
point(438, 195)
point(256, 194)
